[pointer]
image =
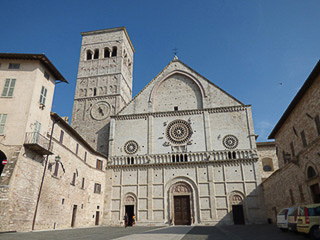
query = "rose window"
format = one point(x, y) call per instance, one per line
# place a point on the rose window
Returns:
point(131, 147)
point(178, 131)
point(230, 141)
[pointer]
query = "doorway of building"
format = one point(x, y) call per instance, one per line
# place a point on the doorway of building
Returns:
point(74, 213)
point(97, 217)
point(2, 157)
point(182, 214)
point(238, 216)
point(130, 211)
point(315, 191)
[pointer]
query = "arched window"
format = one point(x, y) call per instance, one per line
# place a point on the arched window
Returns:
point(186, 158)
point(311, 172)
point(267, 164)
point(96, 54)
point(114, 51)
point(173, 158)
point(106, 53)
point(89, 55)
point(94, 92)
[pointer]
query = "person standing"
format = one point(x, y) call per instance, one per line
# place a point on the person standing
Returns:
point(133, 220)
point(125, 218)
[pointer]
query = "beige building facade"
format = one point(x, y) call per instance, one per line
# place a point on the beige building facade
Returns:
point(297, 137)
point(33, 140)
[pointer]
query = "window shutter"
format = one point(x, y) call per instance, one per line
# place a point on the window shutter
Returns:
point(6, 87)
point(12, 85)
point(3, 119)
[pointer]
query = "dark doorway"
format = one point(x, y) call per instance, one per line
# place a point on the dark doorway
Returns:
point(97, 217)
point(315, 193)
point(74, 213)
point(238, 216)
point(2, 157)
point(182, 210)
point(130, 212)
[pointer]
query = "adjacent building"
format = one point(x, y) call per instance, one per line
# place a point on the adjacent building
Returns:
point(33, 140)
point(297, 137)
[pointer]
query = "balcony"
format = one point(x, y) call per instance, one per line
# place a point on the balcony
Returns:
point(38, 143)
point(213, 156)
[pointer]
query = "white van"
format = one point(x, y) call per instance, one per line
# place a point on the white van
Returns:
point(282, 219)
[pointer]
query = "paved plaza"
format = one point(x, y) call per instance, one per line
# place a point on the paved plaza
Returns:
point(237, 232)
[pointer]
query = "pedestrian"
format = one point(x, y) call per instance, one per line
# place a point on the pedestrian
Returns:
point(133, 220)
point(125, 218)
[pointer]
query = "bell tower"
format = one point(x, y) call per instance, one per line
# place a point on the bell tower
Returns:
point(104, 83)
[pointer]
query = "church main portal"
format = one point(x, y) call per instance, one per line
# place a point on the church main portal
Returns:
point(182, 210)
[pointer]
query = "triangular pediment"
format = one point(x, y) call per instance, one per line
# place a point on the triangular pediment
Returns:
point(178, 87)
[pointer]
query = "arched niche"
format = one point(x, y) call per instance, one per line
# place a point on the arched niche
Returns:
point(181, 186)
point(177, 91)
point(267, 164)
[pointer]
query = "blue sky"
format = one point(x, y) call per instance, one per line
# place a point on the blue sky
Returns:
point(246, 47)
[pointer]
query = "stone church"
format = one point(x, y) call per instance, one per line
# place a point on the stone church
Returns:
point(182, 151)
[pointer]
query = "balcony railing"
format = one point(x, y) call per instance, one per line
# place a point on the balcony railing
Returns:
point(38, 143)
point(247, 154)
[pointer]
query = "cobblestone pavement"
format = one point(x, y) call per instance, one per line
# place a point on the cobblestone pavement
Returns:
point(248, 232)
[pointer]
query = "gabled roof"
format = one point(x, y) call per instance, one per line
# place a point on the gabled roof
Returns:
point(35, 57)
point(193, 71)
point(310, 80)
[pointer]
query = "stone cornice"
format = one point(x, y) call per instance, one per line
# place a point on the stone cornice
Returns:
point(181, 113)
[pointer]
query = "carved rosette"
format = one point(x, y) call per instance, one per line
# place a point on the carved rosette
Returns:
point(230, 141)
point(178, 131)
point(131, 147)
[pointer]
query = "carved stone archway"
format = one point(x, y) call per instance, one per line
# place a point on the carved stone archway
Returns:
point(236, 198)
point(181, 189)
point(130, 199)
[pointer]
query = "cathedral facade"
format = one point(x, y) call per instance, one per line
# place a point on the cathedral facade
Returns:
point(181, 152)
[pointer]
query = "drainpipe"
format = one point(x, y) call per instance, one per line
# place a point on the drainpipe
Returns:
point(44, 173)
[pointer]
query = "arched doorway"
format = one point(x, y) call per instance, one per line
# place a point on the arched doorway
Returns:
point(182, 204)
point(2, 157)
point(236, 205)
point(130, 207)
point(313, 182)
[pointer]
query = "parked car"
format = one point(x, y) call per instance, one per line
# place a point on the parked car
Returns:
point(292, 219)
point(308, 221)
point(282, 219)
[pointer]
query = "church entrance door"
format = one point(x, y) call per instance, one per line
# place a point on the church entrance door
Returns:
point(182, 210)
point(238, 217)
point(130, 212)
